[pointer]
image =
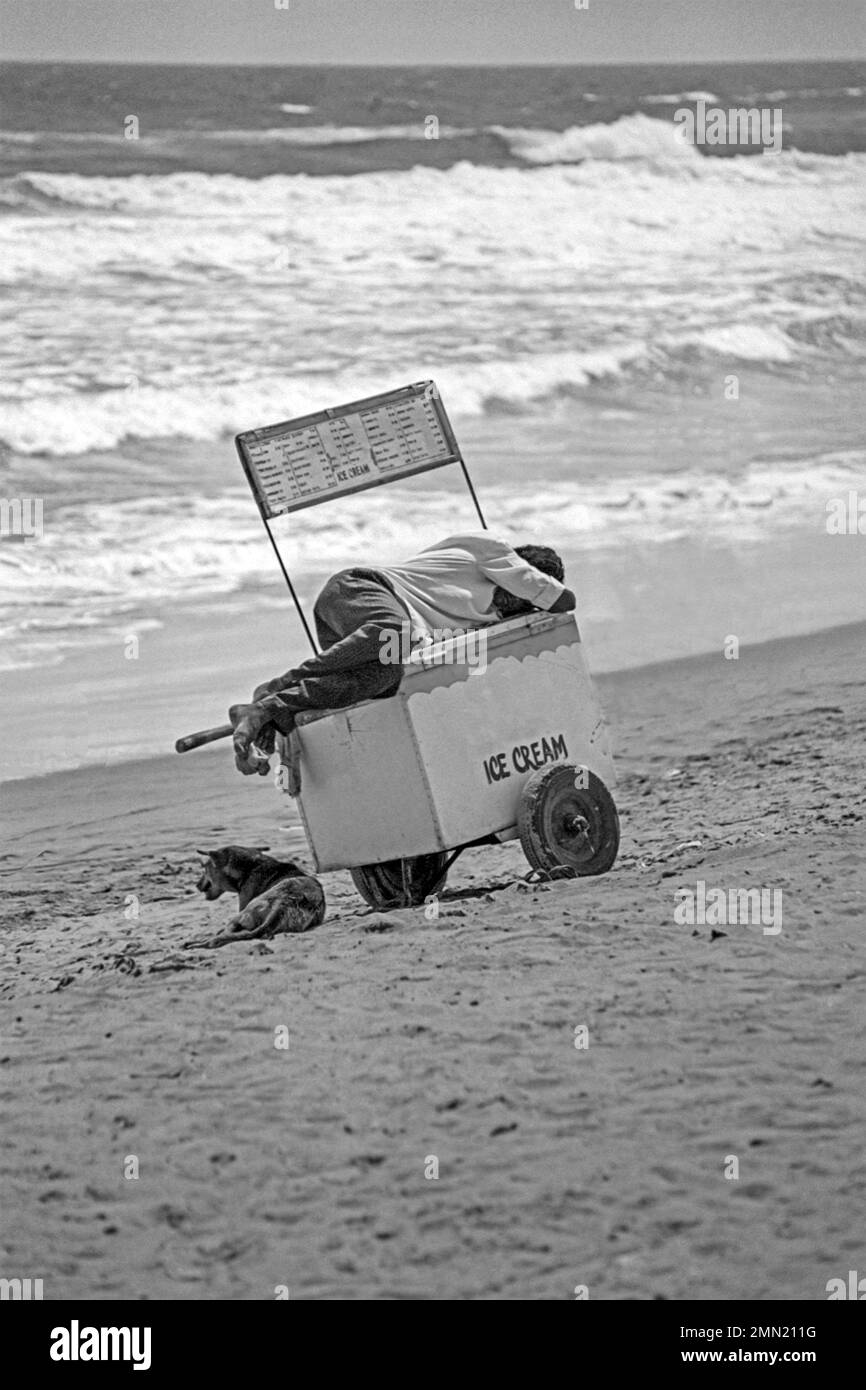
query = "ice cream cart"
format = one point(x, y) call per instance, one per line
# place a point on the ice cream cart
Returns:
point(491, 736)
point(394, 789)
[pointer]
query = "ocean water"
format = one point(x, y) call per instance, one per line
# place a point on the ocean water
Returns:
point(580, 283)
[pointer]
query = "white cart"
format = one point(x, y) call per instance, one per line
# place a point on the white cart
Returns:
point(463, 755)
point(509, 742)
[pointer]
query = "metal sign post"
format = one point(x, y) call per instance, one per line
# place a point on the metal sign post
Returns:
point(350, 448)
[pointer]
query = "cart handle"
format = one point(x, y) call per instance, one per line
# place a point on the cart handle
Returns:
point(197, 740)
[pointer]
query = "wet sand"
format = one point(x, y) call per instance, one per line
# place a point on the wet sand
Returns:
point(261, 1168)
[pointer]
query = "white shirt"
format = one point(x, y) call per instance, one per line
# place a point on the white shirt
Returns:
point(451, 584)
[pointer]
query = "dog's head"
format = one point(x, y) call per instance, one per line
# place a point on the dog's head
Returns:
point(224, 870)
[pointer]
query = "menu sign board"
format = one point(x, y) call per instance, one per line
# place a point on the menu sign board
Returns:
point(305, 461)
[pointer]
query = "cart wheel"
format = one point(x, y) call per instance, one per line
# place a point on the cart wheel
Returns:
point(400, 882)
point(563, 823)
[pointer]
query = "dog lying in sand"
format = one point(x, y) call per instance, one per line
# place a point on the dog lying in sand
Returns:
point(273, 896)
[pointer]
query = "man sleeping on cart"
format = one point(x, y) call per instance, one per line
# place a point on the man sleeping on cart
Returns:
point(463, 582)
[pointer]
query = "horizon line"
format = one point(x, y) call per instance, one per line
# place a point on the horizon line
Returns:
point(317, 63)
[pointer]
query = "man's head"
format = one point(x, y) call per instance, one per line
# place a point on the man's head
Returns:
point(541, 557)
point(544, 558)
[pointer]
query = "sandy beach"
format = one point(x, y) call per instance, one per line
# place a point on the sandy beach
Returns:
point(259, 1169)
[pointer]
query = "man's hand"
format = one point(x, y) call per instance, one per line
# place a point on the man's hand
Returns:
point(251, 724)
point(566, 603)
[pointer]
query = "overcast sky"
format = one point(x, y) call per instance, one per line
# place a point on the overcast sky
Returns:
point(431, 31)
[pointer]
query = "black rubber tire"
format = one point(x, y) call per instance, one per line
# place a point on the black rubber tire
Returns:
point(550, 800)
point(400, 882)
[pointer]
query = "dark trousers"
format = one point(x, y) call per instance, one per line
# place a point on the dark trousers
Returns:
point(355, 613)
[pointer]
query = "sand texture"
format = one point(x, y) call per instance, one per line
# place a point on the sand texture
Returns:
point(412, 1039)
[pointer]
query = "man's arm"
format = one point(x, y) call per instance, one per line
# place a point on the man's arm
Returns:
point(516, 576)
